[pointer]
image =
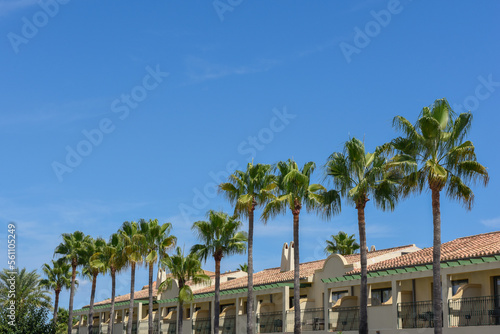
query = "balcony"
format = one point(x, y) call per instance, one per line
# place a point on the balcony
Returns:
point(202, 326)
point(311, 319)
point(271, 322)
point(343, 319)
point(227, 324)
point(416, 315)
point(168, 326)
point(474, 311)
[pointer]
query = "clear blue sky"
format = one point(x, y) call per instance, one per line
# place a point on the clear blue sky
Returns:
point(329, 69)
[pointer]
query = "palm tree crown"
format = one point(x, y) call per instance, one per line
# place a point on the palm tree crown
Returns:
point(342, 244)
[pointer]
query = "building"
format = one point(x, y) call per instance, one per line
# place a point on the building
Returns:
point(399, 291)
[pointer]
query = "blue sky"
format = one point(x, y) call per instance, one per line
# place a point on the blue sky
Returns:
point(160, 100)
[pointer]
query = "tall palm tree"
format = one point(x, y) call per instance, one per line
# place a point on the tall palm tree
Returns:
point(72, 251)
point(220, 236)
point(358, 175)
point(58, 278)
point(182, 269)
point(93, 247)
point(134, 250)
point(342, 244)
point(435, 156)
point(247, 190)
point(112, 259)
point(157, 241)
point(28, 290)
point(294, 190)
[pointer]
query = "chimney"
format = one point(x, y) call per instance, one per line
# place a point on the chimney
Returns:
point(284, 258)
point(372, 248)
point(291, 259)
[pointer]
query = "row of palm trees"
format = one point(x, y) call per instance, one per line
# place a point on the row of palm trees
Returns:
point(431, 154)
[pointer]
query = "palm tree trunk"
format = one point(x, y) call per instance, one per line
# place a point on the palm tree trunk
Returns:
point(363, 302)
point(180, 316)
point(112, 311)
point(296, 272)
point(91, 307)
point(131, 306)
point(250, 313)
point(436, 263)
point(71, 296)
point(150, 308)
point(217, 295)
point(56, 305)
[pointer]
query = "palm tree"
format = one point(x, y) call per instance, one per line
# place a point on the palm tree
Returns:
point(342, 244)
point(58, 278)
point(72, 251)
point(220, 236)
point(434, 155)
point(157, 240)
point(28, 289)
point(294, 190)
point(182, 269)
point(244, 267)
point(246, 190)
point(134, 250)
point(90, 271)
point(112, 259)
point(358, 174)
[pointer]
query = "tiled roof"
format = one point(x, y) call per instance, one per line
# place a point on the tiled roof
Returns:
point(461, 248)
point(141, 294)
point(274, 275)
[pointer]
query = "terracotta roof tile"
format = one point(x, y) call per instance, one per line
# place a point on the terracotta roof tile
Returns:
point(273, 275)
point(462, 248)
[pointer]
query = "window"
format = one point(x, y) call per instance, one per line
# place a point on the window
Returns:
point(380, 296)
point(336, 295)
point(455, 285)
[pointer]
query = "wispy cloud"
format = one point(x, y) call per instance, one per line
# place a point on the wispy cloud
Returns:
point(199, 70)
point(494, 222)
point(9, 6)
point(56, 114)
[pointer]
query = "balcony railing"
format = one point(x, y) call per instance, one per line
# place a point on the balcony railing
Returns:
point(416, 315)
point(311, 319)
point(202, 326)
point(269, 322)
point(227, 324)
point(474, 311)
point(343, 319)
point(168, 326)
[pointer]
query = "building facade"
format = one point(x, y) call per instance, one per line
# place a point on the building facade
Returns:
point(399, 291)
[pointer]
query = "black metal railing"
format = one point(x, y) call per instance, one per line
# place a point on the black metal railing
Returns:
point(271, 322)
point(168, 326)
point(416, 315)
point(474, 311)
point(343, 319)
point(202, 326)
point(134, 328)
point(311, 319)
point(227, 324)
